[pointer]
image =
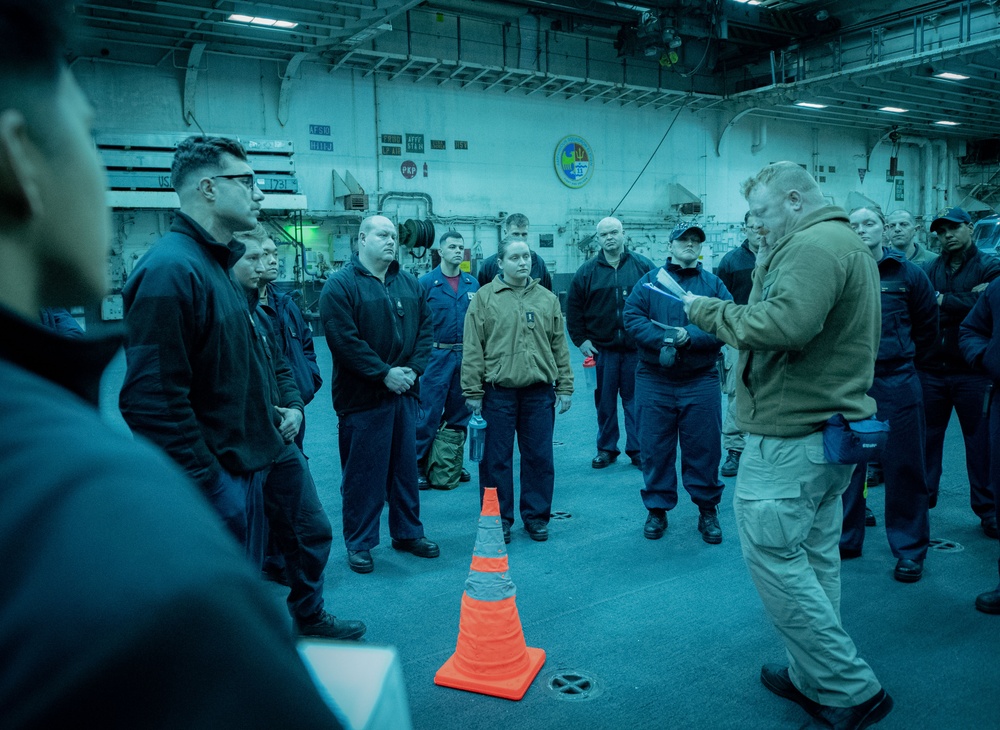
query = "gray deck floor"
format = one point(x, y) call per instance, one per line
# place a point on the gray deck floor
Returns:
point(672, 631)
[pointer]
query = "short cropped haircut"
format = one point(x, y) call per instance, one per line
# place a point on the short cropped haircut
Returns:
point(907, 213)
point(449, 234)
point(505, 244)
point(197, 153)
point(784, 176)
point(257, 235)
point(33, 38)
point(514, 219)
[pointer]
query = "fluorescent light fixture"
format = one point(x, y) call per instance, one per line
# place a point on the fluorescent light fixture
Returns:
point(946, 123)
point(263, 22)
point(950, 76)
point(893, 109)
point(749, 2)
point(810, 105)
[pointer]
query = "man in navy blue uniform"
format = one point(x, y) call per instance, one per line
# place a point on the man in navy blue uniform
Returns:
point(198, 382)
point(736, 272)
point(448, 291)
point(979, 340)
point(379, 330)
point(947, 380)
point(909, 329)
point(677, 390)
point(594, 317)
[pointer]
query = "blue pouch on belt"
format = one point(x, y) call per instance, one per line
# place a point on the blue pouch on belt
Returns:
point(854, 442)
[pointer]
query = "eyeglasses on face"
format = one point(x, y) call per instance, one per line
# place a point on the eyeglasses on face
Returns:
point(246, 179)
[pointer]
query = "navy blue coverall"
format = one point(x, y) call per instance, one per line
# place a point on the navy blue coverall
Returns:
point(909, 329)
point(441, 384)
point(679, 402)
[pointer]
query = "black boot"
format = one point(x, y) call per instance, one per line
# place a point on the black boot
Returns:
point(989, 602)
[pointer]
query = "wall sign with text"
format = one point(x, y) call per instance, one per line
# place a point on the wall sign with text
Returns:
point(574, 161)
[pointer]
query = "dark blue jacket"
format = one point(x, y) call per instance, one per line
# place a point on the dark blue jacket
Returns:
point(595, 306)
point(695, 358)
point(372, 327)
point(736, 272)
point(295, 339)
point(976, 268)
point(909, 313)
point(979, 334)
point(89, 510)
point(195, 384)
point(447, 307)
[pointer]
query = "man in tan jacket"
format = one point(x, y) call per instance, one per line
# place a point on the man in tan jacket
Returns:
point(807, 340)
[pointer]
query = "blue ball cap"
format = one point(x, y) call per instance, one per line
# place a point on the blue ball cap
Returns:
point(952, 215)
point(683, 228)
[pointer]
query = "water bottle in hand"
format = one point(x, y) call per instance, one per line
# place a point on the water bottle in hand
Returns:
point(590, 371)
point(477, 437)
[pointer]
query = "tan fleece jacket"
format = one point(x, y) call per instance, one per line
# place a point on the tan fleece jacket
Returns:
point(514, 338)
point(809, 335)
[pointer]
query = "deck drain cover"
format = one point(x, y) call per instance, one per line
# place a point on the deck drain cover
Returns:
point(570, 684)
point(561, 515)
point(945, 546)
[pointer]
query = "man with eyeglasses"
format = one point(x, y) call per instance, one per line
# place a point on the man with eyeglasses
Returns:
point(195, 383)
point(379, 330)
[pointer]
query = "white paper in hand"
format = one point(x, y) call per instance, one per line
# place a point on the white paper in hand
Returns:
point(667, 281)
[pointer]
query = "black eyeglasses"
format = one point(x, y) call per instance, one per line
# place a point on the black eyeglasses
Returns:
point(246, 179)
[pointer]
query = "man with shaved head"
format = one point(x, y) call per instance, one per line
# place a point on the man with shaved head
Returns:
point(594, 318)
point(380, 330)
point(901, 228)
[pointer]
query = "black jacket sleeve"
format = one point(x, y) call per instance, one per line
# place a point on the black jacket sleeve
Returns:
point(923, 313)
point(155, 399)
point(576, 302)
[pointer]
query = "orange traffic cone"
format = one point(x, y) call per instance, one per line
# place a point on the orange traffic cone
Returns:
point(491, 657)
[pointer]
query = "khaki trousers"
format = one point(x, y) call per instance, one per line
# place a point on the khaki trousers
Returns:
point(788, 512)
point(732, 438)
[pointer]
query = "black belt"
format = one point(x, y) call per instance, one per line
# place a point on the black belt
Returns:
point(456, 346)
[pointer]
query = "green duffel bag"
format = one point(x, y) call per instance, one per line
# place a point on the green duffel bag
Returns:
point(444, 464)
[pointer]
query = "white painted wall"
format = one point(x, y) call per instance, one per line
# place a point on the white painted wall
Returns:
point(511, 141)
